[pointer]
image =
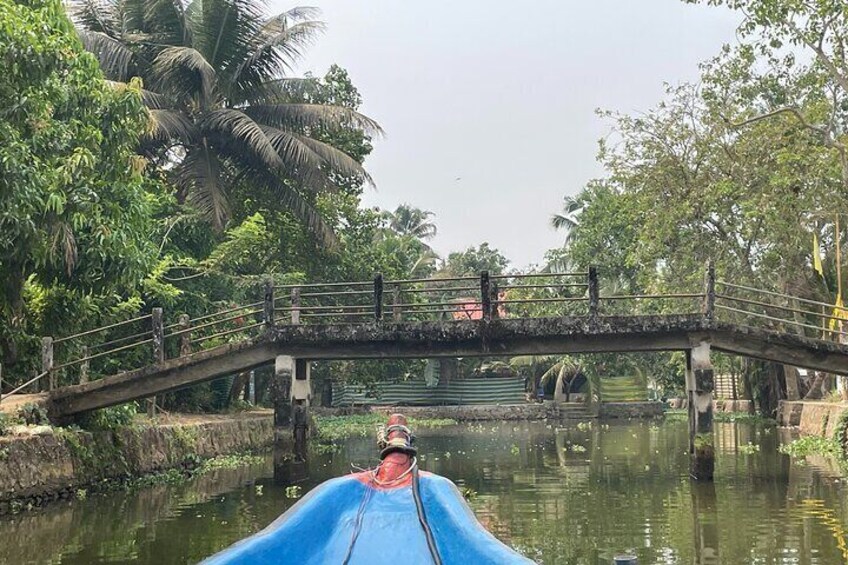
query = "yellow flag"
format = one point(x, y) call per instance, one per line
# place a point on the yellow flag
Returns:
point(817, 262)
point(839, 313)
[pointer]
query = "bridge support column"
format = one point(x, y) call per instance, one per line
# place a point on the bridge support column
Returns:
point(699, 387)
point(301, 395)
point(281, 390)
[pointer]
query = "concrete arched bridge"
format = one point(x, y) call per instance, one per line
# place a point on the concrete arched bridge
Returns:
point(540, 313)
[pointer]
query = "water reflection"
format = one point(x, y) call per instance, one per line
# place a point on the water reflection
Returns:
point(559, 494)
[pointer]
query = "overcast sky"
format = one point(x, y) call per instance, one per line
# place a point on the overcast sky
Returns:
point(488, 105)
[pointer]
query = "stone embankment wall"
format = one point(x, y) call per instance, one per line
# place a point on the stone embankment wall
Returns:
point(47, 462)
point(811, 417)
point(627, 410)
point(719, 405)
point(529, 411)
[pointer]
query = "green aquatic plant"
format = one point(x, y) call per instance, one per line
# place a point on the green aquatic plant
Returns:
point(812, 445)
point(749, 449)
point(293, 491)
point(332, 428)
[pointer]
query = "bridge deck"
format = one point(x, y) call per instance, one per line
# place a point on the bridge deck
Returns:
point(452, 338)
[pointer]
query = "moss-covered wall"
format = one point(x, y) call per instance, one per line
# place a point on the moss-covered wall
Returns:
point(55, 459)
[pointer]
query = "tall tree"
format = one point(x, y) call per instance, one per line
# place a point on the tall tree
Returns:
point(75, 219)
point(569, 218)
point(415, 222)
point(474, 260)
point(224, 112)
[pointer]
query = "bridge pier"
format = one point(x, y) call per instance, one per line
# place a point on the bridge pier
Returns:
point(281, 390)
point(699, 388)
point(292, 396)
point(301, 395)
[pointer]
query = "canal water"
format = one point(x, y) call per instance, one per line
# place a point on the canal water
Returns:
point(557, 494)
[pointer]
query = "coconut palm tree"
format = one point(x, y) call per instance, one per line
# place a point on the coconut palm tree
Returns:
point(569, 217)
point(223, 110)
point(408, 220)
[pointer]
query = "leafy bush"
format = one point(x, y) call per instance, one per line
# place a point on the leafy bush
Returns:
point(33, 414)
point(112, 418)
point(4, 424)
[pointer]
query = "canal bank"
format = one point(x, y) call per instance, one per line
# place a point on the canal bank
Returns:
point(43, 463)
point(529, 412)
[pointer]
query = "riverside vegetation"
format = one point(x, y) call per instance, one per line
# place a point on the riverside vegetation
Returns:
point(127, 185)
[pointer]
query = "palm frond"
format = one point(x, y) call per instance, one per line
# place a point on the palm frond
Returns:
point(291, 200)
point(96, 15)
point(201, 182)
point(172, 125)
point(113, 55)
point(273, 50)
point(235, 129)
point(311, 116)
point(277, 91)
point(166, 20)
point(172, 64)
point(311, 159)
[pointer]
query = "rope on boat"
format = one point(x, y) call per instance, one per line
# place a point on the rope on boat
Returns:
point(387, 446)
point(422, 517)
point(357, 525)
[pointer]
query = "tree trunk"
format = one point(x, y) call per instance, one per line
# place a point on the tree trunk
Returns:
point(238, 387)
point(790, 374)
point(815, 392)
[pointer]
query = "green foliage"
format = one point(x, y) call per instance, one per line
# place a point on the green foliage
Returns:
point(334, 428)
point(221, 98)
point(230, 462)
point(812, 445)
point(113, 418)
point(74, 206)
point(294, 491)
point(33, 414)
point(474, 260)
point(5, 423)
point(749, 449)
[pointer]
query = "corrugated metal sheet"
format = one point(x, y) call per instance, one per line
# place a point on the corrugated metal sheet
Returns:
point(495, 390)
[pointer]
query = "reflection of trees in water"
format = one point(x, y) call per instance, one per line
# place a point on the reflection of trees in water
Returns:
point(628, 490)
point(117, 526)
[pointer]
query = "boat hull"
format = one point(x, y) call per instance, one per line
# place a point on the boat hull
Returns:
point(320, 528)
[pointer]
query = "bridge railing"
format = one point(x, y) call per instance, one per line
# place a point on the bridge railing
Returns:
point(753, 307)
point(146, 339)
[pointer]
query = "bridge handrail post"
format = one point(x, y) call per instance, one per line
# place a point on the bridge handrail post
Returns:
point(295, 305)
point(709, 293)
point(158, 329)
point(268, 306)
point(486, 295)
point(85, 365)
point(594, 293)
point(47, 361)
point(397, 314)
point(493, 300)
point(378, 297)
point(185, 337)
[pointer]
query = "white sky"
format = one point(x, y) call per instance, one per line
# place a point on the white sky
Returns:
point(501, 95)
